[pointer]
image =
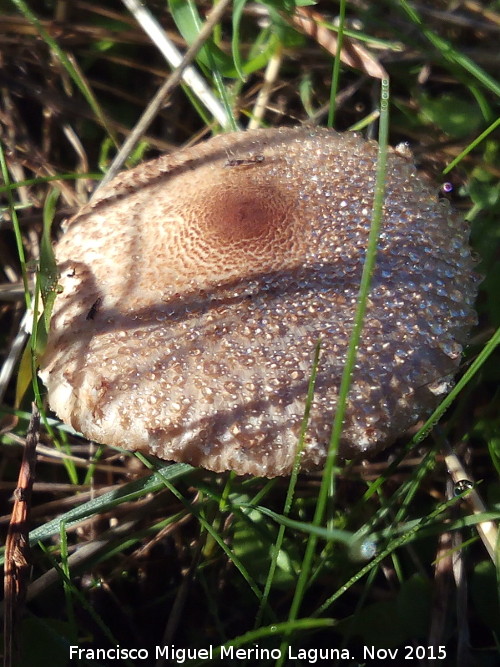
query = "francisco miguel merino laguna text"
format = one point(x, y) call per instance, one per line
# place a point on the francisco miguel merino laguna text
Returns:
point(180, 655)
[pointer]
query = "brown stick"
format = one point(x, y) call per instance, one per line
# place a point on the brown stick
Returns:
point(17, 544)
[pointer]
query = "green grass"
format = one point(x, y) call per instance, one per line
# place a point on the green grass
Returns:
point(131, 551)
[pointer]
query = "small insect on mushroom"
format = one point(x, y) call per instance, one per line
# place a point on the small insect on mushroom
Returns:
point(94, 309)
point(187, 367)
point(244, 162)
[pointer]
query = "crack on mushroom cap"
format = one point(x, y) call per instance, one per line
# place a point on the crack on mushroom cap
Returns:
point(214, 284)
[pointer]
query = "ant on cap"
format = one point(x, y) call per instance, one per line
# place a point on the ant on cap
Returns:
point(93, 310)
point(243, 162)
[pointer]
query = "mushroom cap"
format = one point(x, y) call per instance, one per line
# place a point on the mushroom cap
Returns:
point(195, 288)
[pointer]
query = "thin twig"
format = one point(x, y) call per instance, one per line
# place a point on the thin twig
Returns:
point(488, 530)
point(16, 349)
point(441, 589)
point(17, 544)
point(183, 71)
point(80, 558)
point(270, 76)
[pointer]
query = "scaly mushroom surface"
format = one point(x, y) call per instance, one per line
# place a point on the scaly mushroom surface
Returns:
point(195, 288)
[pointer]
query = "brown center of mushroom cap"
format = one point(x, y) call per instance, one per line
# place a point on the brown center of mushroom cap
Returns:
point(252, 219)
point(236, 224)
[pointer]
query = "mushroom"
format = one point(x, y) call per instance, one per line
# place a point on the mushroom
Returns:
point(195, 288)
